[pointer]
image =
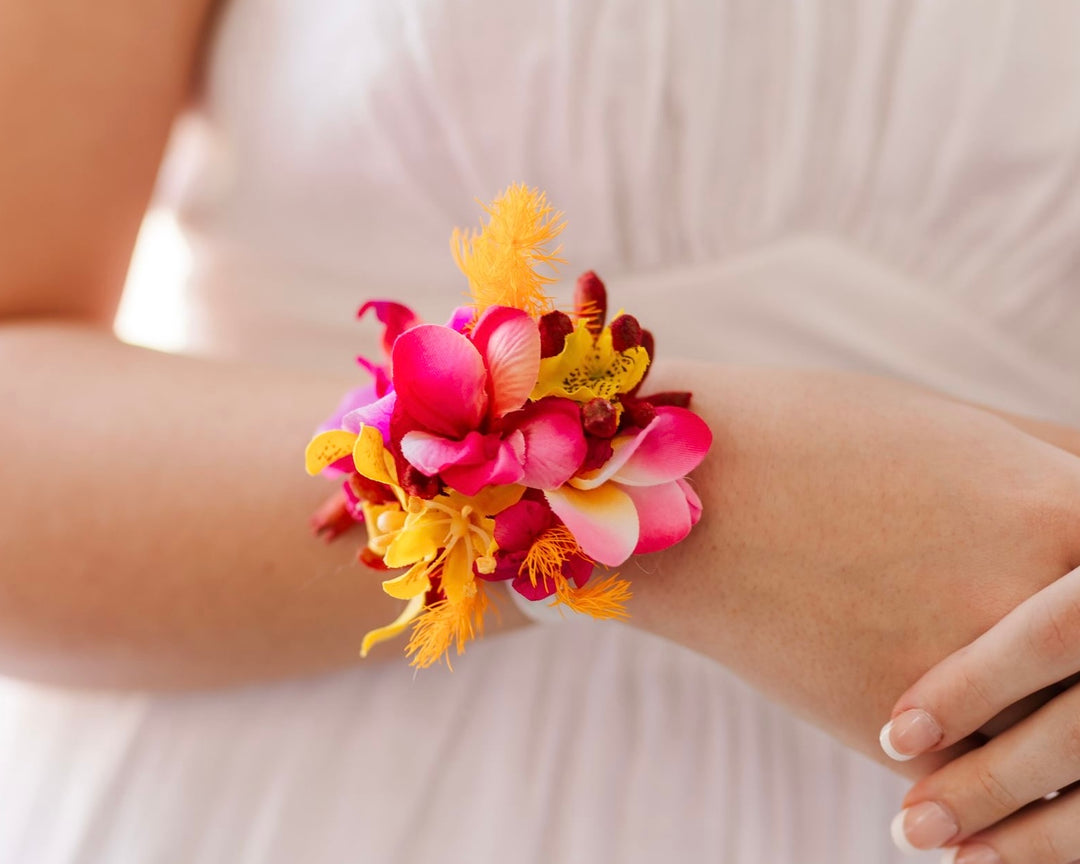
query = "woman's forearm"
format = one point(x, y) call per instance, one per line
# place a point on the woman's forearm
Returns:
point(855, 532)
point(154, 519)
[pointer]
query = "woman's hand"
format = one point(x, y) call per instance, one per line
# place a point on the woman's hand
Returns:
point(856, 532)
point(989, 803)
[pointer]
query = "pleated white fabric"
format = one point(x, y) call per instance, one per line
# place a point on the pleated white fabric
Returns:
point(882, 186)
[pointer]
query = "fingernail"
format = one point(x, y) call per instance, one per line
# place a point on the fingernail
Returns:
point(971, 855)
point(924, 826)
point(910, 735)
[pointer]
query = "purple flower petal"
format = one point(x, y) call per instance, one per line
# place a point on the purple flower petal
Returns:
point(376, 414)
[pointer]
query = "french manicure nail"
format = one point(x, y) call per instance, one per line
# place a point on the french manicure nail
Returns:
point(924, 826)
point(971, 855)
point(909, 735)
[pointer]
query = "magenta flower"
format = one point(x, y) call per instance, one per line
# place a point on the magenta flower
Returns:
point(639, 500)
point(459, 406)
point(526, 534)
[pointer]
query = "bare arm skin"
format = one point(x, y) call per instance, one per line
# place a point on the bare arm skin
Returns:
point(856, 530)
point(153, 509)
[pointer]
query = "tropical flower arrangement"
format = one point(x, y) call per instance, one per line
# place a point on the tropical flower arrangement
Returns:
point(511, 444)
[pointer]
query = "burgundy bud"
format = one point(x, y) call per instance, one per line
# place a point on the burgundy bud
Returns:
point(677, 398)
point(600, 418)
point(638, 412)
point(598, 451)
point(554, 328)
point(590, 301)
point(625, 333)
point(648, 343)
point(416, 483)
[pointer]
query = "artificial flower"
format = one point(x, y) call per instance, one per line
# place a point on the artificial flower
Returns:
point(454, 397)
point(589, 367)
point(638, 501)
point(534, 548)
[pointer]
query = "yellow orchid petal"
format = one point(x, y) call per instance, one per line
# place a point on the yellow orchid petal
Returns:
point(419, 540)
point(494, 499)
point(458, 581)
point(369, 457)
point(414, 581)
point(554, 371)
point(389, 631)
point(589, 368)
point(326, 448)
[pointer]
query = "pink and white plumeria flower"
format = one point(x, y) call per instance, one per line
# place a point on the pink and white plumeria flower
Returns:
point(460, 410)
point(639, 500)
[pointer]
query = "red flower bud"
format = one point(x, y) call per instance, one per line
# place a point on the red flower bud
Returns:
point(625, 333)
point(590, 301)
point(554, 328)
point(678, 398)
point(649, 344)
point(638, 412)
point(599, 418)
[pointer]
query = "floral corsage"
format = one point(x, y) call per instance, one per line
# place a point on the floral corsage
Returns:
point(511, 444)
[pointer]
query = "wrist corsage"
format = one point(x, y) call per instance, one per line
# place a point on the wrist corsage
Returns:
point(511, 444)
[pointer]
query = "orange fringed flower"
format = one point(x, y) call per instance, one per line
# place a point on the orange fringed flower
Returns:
point(445, 624)
point(599, 598)
point(544, 561)
point(501, 259)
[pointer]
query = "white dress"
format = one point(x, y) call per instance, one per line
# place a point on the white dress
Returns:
point(889, 187)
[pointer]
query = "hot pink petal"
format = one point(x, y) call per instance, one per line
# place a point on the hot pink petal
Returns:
point(509, 341)
point(461, 318)
point(440, 379)
point(543, 588)
point(671, 446)
point(663, 514)
point(507, 566)
point(503, 468)
point(381, 374)
point(395, 317)
point(431, 453)
point(604, 521)
point(578, 569)
point(520, 524)
point(692, 501)
point(554, 443)
point(377, 414)
point(677, 442)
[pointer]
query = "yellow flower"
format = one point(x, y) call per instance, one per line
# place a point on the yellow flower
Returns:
point(590, 367)
point(500, 260)
point(443, 536)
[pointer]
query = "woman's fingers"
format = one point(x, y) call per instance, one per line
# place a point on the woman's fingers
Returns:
point(1034, 646)
point(1046, 833)
point(1035, 758)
